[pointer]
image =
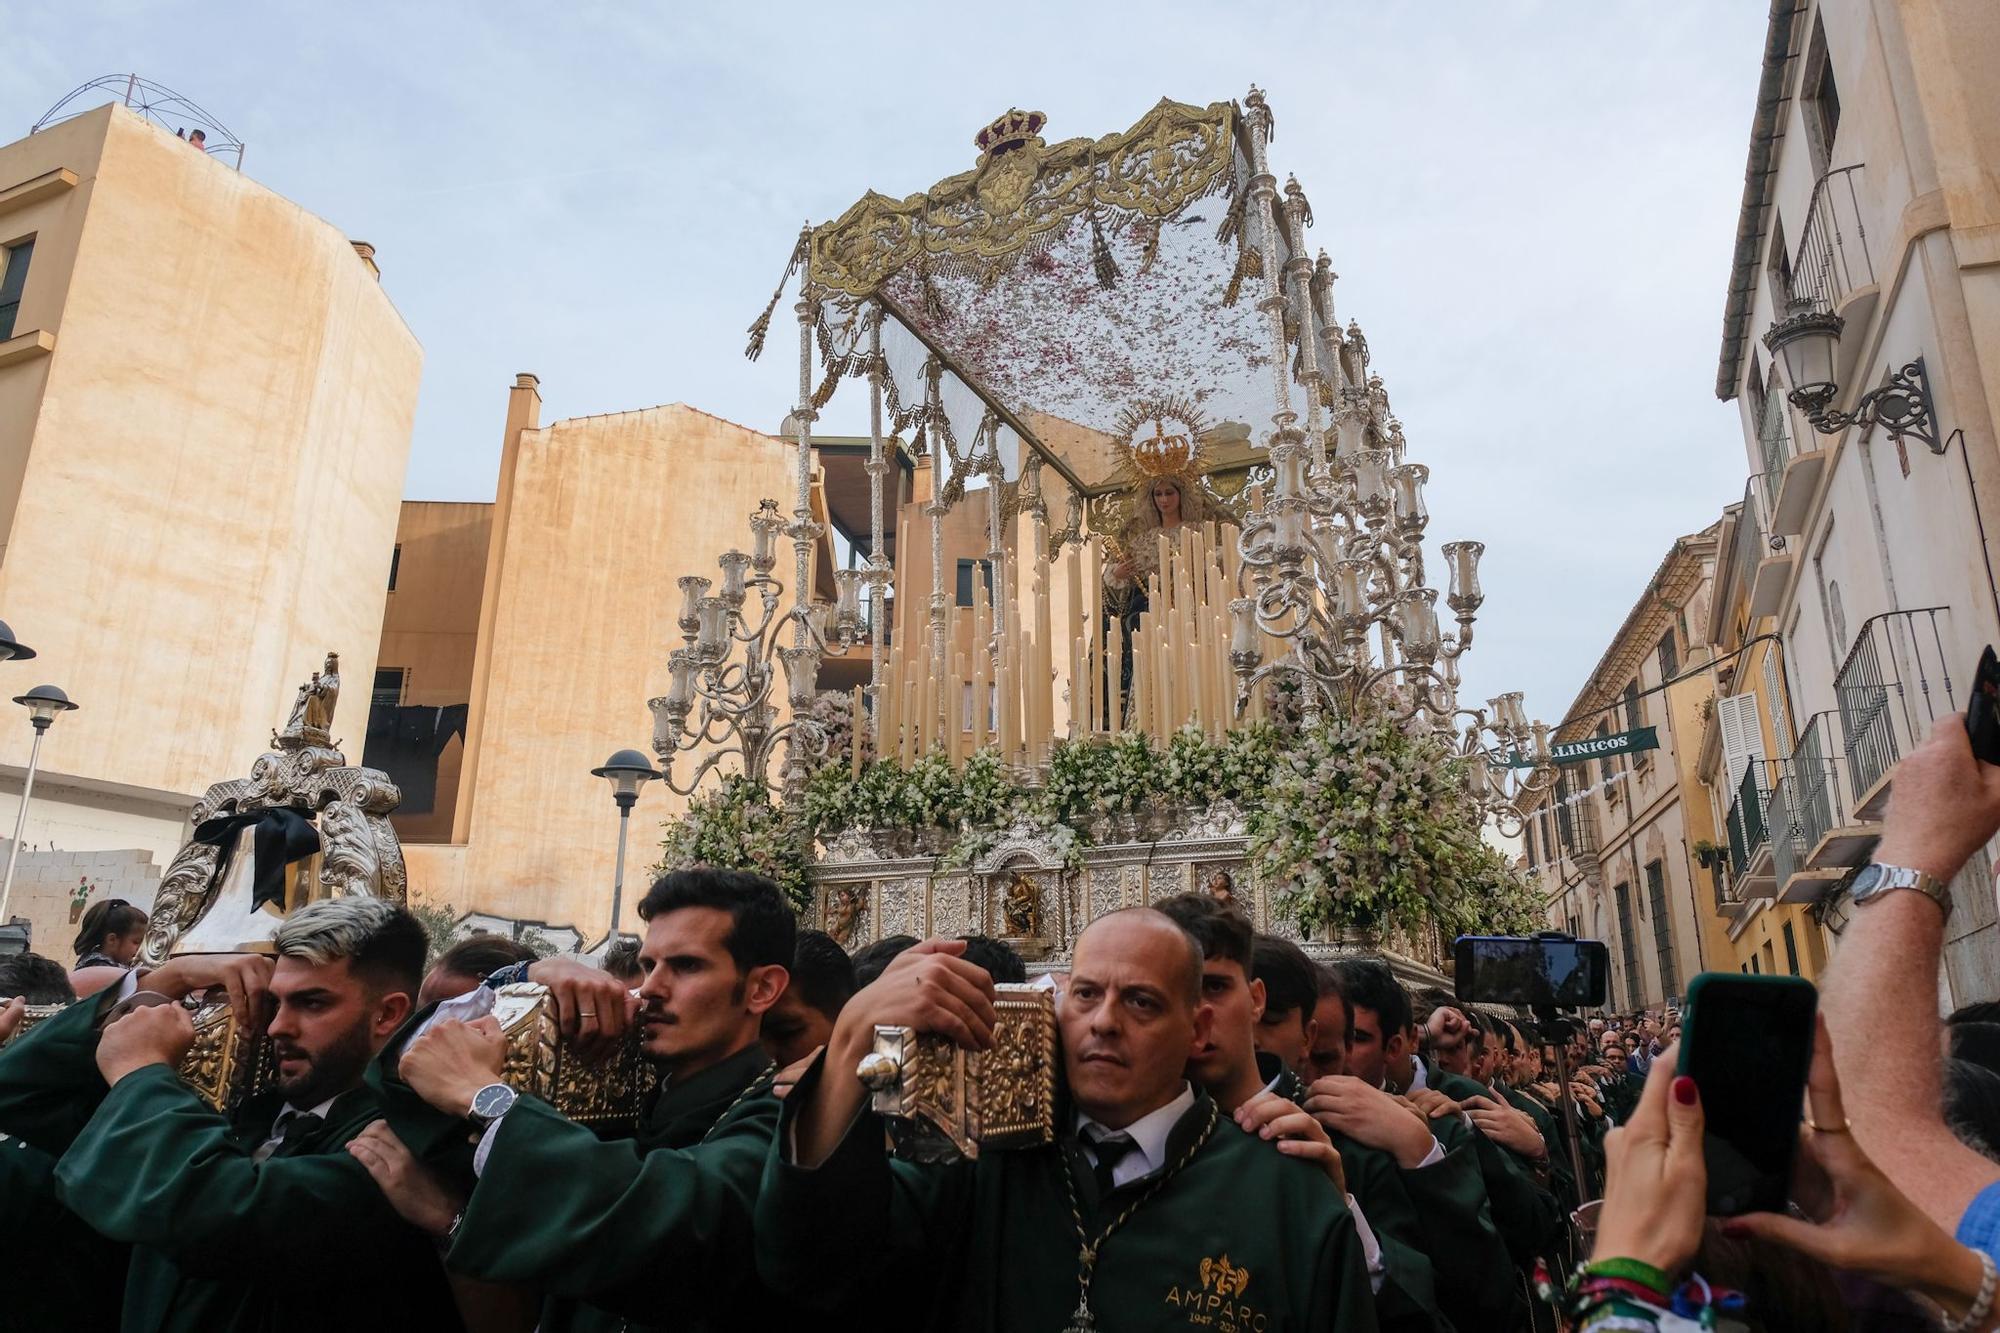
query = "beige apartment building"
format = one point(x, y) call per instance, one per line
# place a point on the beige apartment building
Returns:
point(1613, 843)
point(522, 638)
point(1859, 567)
point(206, 400)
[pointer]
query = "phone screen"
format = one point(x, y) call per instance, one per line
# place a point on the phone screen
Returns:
point(1747, 1043)
point(1526, 970)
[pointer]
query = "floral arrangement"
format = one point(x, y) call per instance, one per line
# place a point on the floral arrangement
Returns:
point(1360, 821)
point(737, 826)
point(1366, 824)
point(833, 711)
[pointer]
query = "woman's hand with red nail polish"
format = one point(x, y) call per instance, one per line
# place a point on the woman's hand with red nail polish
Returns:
point(1656, 1182)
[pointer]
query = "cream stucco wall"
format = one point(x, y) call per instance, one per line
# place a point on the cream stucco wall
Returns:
point(200, 480)
point(598, 516)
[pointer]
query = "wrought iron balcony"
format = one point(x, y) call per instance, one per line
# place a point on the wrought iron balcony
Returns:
point(1832, 261)
point(1763, 559)
point(1892, 686)
point(1749, 833)
point(1832, 842)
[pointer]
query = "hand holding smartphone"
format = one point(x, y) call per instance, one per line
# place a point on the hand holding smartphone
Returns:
point(1747, 1042)
point(1982, 710)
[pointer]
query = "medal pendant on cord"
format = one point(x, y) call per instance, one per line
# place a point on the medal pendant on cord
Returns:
point(1082, 1321)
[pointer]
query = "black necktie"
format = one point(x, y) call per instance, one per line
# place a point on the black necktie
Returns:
point(294, 1131)
point(1110, 1151)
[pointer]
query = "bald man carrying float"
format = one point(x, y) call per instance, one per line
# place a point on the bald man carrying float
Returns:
point(1152, 1212)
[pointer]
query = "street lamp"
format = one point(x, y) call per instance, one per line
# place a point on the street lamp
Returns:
point(1808, 339)
point(10, 649)
point(626, 771)
point(43, 703)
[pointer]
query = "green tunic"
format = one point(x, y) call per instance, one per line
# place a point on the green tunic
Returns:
point(1526, 1215)
point(1476, 1282)
point(597, 1224)
point(1241, 1238)
point(55, 1272)
point(221, 1244)
point(1406, 1301)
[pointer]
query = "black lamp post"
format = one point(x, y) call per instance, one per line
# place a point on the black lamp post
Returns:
point(43, 703)
point(626, 771)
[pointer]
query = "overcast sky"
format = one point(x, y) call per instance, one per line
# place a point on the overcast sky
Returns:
point(1530, 205)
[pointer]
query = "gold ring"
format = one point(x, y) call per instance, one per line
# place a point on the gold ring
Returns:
point(586, 1013)
point(1844, 1127)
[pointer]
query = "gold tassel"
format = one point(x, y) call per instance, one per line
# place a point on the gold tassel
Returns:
point(760, 327)
point(1101, 261)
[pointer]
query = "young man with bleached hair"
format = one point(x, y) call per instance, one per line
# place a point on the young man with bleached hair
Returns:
point(260, 1220)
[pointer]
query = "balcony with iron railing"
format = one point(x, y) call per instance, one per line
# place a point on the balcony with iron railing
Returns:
point(1832, 266)
point(1833, 842)
point(1792, 466)
point(1749, 833)
point(1764, 560)
point(1832, 270)
point(1781, 822)
point(1892, 686)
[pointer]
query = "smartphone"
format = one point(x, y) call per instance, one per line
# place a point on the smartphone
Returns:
point(1548, 971)
point(1982, 710)
point(1747, 1042)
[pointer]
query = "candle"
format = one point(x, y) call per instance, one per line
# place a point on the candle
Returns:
point(956, 730)
point(980, 652)
point(856, 720)
point(1073, 558)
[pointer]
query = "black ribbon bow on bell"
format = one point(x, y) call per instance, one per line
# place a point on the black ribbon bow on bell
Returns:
point(279, 836)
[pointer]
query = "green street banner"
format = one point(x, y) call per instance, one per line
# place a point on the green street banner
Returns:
point(1593, 747)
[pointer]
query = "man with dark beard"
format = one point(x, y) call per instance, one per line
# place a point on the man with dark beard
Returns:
point(259, 1221)
point(589, 1224)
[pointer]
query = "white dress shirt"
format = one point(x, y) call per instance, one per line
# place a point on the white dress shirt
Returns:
point(1149, 1132)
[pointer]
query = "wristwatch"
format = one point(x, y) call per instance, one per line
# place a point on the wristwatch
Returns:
point(1875, 879)
point(488, 1105)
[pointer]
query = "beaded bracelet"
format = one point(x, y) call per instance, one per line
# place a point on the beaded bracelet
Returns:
point(1982, 1304)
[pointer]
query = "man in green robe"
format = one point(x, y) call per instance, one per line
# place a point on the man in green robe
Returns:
point(1384, 1046)
point(592, 1223)
point(1453, 1223)
point(55, 1272)
point(1232, 1070)
point(1153, 1211)
point(257, 1221)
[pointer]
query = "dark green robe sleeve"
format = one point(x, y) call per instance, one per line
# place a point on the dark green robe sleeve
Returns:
point(1475, 1274)
point(156, 1167)
point(859, 1225)
point(568, 1213)
point(49, 1084)
point(1341, 1300)
point(1407, 1302)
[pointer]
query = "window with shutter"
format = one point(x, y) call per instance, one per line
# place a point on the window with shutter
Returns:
point(1742, 736)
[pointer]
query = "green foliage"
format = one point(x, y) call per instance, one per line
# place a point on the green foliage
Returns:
point(1358, 821)
point(442, 929)
point(1367, 825)
point(440, 923)
point(736, 827)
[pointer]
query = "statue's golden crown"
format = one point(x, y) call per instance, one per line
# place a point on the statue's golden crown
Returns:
point(1010, 131)
point(1162, 454)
